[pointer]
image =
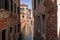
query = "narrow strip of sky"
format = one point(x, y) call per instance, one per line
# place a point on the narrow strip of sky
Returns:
point(27, 2)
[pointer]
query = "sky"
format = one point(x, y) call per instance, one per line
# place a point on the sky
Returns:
point(28, 2)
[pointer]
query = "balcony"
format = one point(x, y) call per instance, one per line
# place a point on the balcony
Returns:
point(4, 13)
point(8, 19)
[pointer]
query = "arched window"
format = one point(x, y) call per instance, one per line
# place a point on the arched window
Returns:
point(22, 16)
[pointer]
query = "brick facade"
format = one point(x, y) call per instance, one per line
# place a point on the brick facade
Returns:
point(51, 24)
point(9, 20)
point(45, 19)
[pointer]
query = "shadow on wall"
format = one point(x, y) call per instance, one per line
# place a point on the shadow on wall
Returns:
point(50, 20)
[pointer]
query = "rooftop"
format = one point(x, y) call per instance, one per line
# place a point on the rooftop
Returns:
point(23, 5)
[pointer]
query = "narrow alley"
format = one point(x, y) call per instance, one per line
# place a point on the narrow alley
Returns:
point(29, 19)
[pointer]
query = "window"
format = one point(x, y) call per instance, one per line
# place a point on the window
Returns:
point(34, 4)
point(26, 8)
point(11, 1)
point(22, 16)
point(7, 4)
point(10, 29)
point(43, 16)
point(38, 1)
point(21, 8)
point(18, 27)
point(31, 22)
point(15, 29)
point(0, 4)
point(18, 10)
point(43, 26)
point(3, 35)
point(14, 8)
point(24, 28)
point(3, 4)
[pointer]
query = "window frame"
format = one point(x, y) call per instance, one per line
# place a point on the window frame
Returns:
point(7, 4)
point(10, 30)
point(14, 7)
point(11, 4)
point(22, 16)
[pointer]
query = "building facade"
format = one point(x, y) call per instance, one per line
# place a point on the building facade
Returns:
point(45, 19)
point(30, 24)
point(9, 20)
point(26, 19)
point(23, 16)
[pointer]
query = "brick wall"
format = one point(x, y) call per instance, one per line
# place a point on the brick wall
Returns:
point(49, 8)
point(51, 24)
